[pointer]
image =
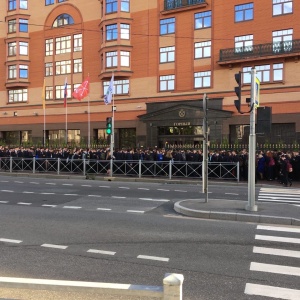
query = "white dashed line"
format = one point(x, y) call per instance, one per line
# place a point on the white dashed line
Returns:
point(4, 202)
point(49, 205)
point(54, 246)
point(143, 189)
point(86, 185)
point(10, 241)
point(103, 208)
point(94, 196)
point(150, 199)
point(34, 182)
point(104, 186)
point(7, 191)
point(25, 192)
point(4, 181)
point(154, 258)
point(235, 194)
point(72, 207)
point(47, 193)
point(18, 181)
point(101, 252)
point(118, 197)
point(136, 211)
point(24, 203)
point(70, 194)
point(181, 191)
point(51, 183)
point(124, 187)
point(69, 184)
point(163, 190)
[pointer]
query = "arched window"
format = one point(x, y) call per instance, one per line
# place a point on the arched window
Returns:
point(63, 20)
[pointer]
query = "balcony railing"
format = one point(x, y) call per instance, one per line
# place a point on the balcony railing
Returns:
point(262, 50)
point(173, 4)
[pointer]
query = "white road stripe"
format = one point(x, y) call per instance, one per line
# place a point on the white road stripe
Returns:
point(277, 269)
point(277, 252)
point(274, 200)
point(26, 192)
point(72, 207)
point(150, 199)
point(278, 191)
point(4, 181)
point(7, 191)
point(104, 186)
point(277, 239)
point(69, 184)
point(49, 205)
point(143, 189)
point(18, 181)
point(232, 194)
point(154, 258)
point(47, 193)
point(163, 190)
point(70, 194)
point(54, 246)
point(278, 228)
point(24, 203)
point(272, 291)
point(3, 201)
point(94, 196)
point(124, 187)
point(279, 195)
point(10, 241)
point(87, 185)
point(101, 252)
point(51, 183)
point(118, 197)
point(34, 182)
point(181, 191)
point(136, 211)
point(277, 198)
point(99, 208)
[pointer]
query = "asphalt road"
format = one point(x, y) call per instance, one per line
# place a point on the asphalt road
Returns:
point(128, 233)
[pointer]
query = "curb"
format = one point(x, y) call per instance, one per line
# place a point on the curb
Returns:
point(234, 216)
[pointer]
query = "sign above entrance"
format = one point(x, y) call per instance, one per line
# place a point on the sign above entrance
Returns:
point(181, 123)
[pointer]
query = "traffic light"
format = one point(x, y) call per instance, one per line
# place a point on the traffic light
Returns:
point(109, 125)
point(238, 90)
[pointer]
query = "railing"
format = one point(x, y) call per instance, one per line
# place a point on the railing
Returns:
point(132, 168)
point(269, 49)
point(173, 4)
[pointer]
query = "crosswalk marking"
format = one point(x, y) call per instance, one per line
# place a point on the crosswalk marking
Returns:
point(278, 269)
point(278, 252)
point(272, 291)
point(277, 239)
point(290, 196)
point(278, 228)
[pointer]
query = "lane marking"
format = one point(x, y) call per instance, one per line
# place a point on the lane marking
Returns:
point(26, 192)
point(235, 194)
point(4, 181)
point(51, 183)
point(3, 201)
point(10, 241)
point(99, 208)
point(72, 207)
point(70, 194)
point(150, 199)
point(49, 205)
point(118, 197)
point(277, 269)
point(54, 246)
point(163, 190)
point(271, 291)
point(145, 189)
point(277, 252)
point(7, 191)
point(94, 196)
point(24, 203)
point(104, 186)
point(47, 193)
point(124, 187)
point(18, 181)
point(181, 191)
point(277, 239)
point(135, 211)
point(101, 252)
point(278, 228)
point(154, 258)
point(34, 182)
point(279, 191)
point(69, 184)
point(274, 200)
point(87, 185)
point(279, 195)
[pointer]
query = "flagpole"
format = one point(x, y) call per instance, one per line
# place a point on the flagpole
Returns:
point(89, 124)
point(112, 137)
point(44, 126)
point(44, 109)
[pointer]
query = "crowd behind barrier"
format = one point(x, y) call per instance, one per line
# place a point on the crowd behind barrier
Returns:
point(270, 165)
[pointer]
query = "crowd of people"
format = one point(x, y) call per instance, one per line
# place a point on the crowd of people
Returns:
point(283, 166)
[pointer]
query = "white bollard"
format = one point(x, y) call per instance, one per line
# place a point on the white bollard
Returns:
point(173, 286)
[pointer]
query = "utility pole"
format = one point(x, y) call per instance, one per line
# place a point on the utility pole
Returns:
point(205, 151)
point(252, 146)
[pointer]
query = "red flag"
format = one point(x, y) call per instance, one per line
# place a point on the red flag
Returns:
point(82, 91)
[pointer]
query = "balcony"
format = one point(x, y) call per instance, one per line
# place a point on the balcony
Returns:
point(174, 4)
point(262, 51)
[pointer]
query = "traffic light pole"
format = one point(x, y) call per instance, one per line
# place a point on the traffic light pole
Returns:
point(252, 148)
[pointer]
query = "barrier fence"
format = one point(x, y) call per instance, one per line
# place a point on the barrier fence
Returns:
point(136, 168)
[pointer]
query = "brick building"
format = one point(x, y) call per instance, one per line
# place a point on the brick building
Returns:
point(164, 55)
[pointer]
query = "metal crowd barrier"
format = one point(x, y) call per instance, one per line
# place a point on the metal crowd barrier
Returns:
point(135, 168)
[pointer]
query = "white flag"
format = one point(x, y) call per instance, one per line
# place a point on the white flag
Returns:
point(109, 92)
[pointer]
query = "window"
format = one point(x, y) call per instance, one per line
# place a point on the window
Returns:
point(203, 49)
point(63, 67)
point(111, 59)
point(124, 31)
point(125, 5)
point(125, 58)
point(244, 12)
point(281, 7)
point(49, 2)
point(63, 20)
point(60, 91)
point(12, 27)
point(243, 43)
point(23, 71)
point(120, 87)
point(23, 4)
point(12, 4)
point(78, 42)
point(77, 65)
point(282, 40)
point(49, 69)
point(167, 54)
point(203, 20)
point(48, 92)
point(23, 25)
point(49, 47)
point(167, 26)
point(23, 48)
point(111, 6)
point(12, 49)
point(202, 79)
point(111, 32)
point(63, 45)
point(265, 73)
point(12, 72)
point(17, 95)
point(167, 83)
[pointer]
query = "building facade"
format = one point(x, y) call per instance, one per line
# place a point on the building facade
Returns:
point(164, 56)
